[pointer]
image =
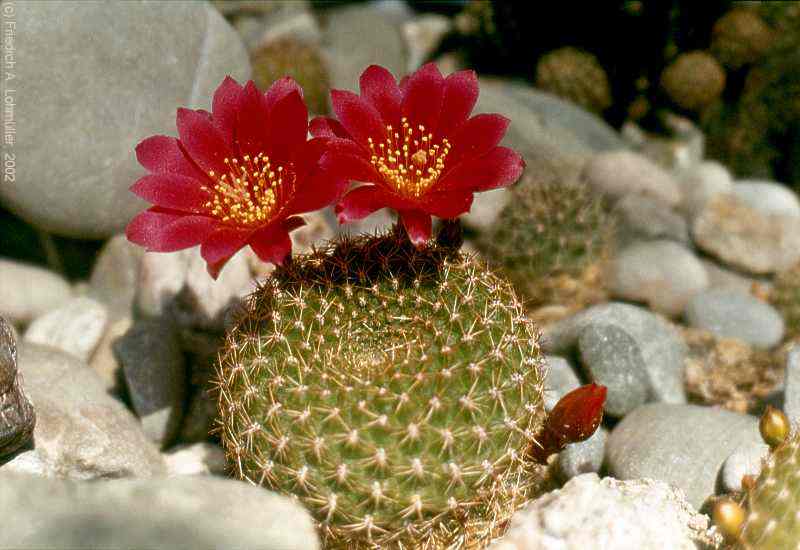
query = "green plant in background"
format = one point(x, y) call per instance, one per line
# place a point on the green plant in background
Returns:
point(767, 518)
point(694, 80)
point(741, 37)
point(575, 75)
point(785, 296)
point(392, 390)
point(551, 241)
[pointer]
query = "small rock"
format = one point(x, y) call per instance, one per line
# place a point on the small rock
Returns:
point(161, 277)
point(661, 345)
point(702, 182)
point(115, 274)
point(17, 416)
point(619, 173)
point(662, 274)
point(561, 379)
point(734, 314)
point(584, 457)
point(76, 327)
point(104, 362)
point(683, 445)
point(612, 358)
point(791, 392)
point(745, 460)
point(681, 151)
point(746, 238)
point(155, 374)
point(197, 459)
point(75, 182)
point(423, 34)
point(28, 292)
point(589, 512)
point(486, 208)
point(721, 277)
point(644, 218)
point(81, 432)
point(176, 513)
point(767, 197)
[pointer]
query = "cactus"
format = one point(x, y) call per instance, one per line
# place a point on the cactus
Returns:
point(298, 59)
point(785, 296)
point(694, 81)
point(575, 75)
point(551, 241)
point(393, 391)
point(740, 37)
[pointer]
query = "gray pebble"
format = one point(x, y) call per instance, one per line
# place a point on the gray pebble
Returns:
point(791, 391)
point(561, 379)
point(584, 457)
point(745, 460)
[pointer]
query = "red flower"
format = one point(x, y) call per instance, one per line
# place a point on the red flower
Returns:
point(236, 176)
point(416, 147)
point(575, 418)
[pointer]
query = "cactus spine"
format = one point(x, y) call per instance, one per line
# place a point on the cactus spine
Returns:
point(393, 391)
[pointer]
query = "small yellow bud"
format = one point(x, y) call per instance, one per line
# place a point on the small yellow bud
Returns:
point(774, 426)
point(729, 518)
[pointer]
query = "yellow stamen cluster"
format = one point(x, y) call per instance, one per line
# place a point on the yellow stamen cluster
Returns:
point(408, 159)
point(249, 193)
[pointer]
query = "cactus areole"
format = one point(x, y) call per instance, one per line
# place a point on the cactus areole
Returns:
point(392, 390)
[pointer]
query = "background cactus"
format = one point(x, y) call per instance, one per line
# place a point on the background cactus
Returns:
point(393, 391)
point(772, 502)
point(551, 241)
point(740, 38)
point(785, 296)
point(694, 80)
point(575, 75)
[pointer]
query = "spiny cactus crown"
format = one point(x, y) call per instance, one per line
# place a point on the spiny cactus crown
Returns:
point(773, 502)
point(548, 236)
point(392, 390)
point(575, 75)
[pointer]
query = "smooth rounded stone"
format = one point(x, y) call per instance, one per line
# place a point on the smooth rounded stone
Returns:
point(486, 208)
point(791, 390)
point(619, 173)
point(28, 292)
point(746, 238)
point(104, 361)
point(589, 512)
point(81, 432)
point(683, 445)
point(76, 327)
point(202, 458)
point(721, 277)
point(125, 87)
point(174, 513)
point(347, 29)
point(767, 197)
point(662, 274)
point(645, 218)
point(702, 182)
point(17, 415)
point(680, 151)
point(745, 460)
point(115, 274)
point(559, 381)
point(161, 278)
point(155, 374)
point(729, 313)
point(584, 457)
point(612, 358)
point(662, 348)
point(423, 35)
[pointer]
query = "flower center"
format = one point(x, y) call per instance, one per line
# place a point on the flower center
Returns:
point(249, 192)
point(408, 159)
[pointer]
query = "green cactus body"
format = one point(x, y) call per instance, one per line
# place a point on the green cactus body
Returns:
point(785, 297)
point(392, 391)
point(551, 241)
point(575, 75)
point(773, 503)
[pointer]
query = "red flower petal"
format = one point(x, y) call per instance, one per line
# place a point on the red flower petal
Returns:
point(220, 245)
point(500, 166)
point(361, 202)
point(279, 90)
point(167, 231)
point(163, 155)
point(322, 182)
point(347, 160)
point(224, 107)
point(477, 136)
point(286, 127)
point(252, 137)
point(379, 88)
point(173, 192)
point(272, 244)
point(422, 101)
point(577, 415)
point(418, 226)
point(448, 204)
point(460, 96)
point(358, 118)
point(202, 141)
point(322, 126)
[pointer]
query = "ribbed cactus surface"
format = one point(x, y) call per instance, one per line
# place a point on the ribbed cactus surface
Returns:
point(393, 391)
